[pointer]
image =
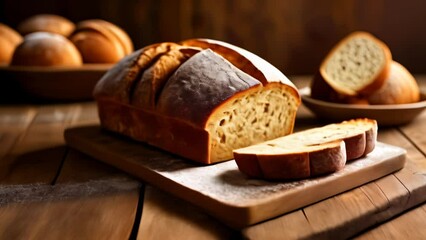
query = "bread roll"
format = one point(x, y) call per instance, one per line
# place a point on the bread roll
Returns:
point(400, 87)
point(9, 39)
point(309, 153)
point(100, 41)
point(358, 64)
point(46, 49)
point(46, 23)
point(195, 103)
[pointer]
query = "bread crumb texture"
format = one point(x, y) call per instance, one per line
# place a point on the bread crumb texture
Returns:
point(250, 119)
point(355, 63)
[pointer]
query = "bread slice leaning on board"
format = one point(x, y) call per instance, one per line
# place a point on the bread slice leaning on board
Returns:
point(199, 99)
point(358, 64)
point(309, 153)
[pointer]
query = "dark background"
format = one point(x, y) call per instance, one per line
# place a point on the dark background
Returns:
point(292, 35)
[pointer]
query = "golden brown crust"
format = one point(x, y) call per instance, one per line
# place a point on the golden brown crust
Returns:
point(46, 23)
point(46, 49)
point(9, 39)
point(119, 81)
point(400, 87)
point(153, 79)
point(170, 134)
point(100, 41)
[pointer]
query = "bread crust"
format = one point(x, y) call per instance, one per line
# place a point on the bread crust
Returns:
point(376, 81)
point(9, 39)
point(119, 81)
point(296, 156)
point(46, 23)
point(100, 41)
point(153, 79)
point(189, 93)
point(46, 49)
point(171, 134)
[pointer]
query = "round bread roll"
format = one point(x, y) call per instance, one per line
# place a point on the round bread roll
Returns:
point(400, 87)
point(100, 41)
point(9, 39)
point(46, 49)
point(46, 23)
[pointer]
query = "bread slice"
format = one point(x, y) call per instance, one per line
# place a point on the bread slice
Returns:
point(358, 64)
point(201, 106)
point(400, 87)
point(309, 153)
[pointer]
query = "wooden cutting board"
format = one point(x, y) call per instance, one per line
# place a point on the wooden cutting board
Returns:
point(220, 189)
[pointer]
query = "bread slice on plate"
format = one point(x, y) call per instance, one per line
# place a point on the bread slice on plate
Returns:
point(358, 64)
point(309, 153)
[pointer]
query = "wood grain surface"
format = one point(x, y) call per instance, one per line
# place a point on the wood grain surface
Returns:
point(49, 191)
point(221, 189)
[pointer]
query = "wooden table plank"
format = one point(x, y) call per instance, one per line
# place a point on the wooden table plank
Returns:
point(90, 200)
point(13, 123)
point(167, 217)
point(410, 225)
point(38, 153)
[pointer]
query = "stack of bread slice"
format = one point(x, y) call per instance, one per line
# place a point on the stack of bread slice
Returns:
point(360, 70)
point(309, 153)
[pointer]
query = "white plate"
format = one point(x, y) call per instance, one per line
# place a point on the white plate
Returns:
point(386, 115)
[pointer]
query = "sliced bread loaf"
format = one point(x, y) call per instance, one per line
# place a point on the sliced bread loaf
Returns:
point(358, 64)
point(309, 153)
point(195, 103)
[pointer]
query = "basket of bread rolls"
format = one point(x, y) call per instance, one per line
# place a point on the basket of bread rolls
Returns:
point(50, 57)
point(359, 78)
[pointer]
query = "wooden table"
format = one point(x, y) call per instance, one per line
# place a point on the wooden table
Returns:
point(50, 191)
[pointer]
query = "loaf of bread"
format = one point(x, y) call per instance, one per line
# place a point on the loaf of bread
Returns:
point(308, 153)
point(100, 41)
point(191, 101)
point(358, 64)
point(46, 23)
point(9, 39)
point(46, 49)
point(399, 87)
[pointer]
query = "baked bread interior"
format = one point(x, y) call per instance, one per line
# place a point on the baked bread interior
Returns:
point(9, 39)
point(46, 23)
point(358, 64)
point(46, 49)
point(399, 87)
point(100, 41)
